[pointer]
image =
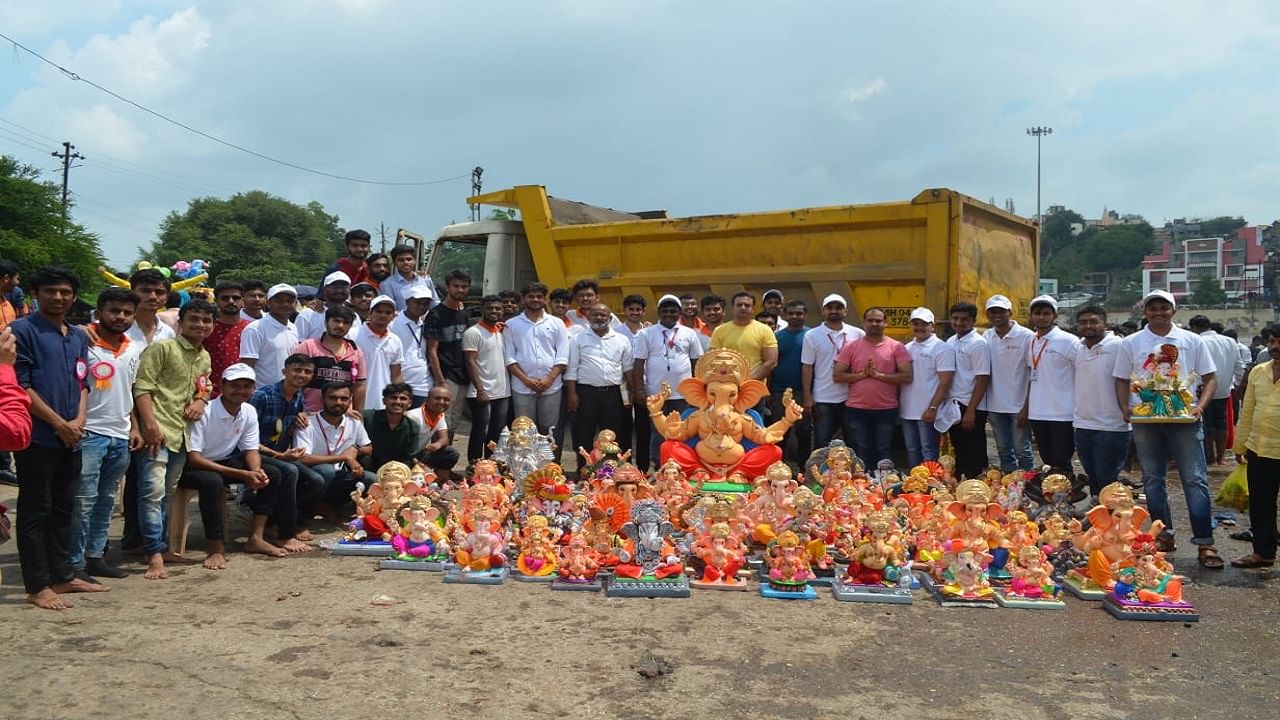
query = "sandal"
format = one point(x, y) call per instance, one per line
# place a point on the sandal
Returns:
point(1245, 535)
point(1209, 558)
point(1253, 560)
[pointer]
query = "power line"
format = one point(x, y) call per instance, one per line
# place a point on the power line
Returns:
point(14, 140)
point(77, 77)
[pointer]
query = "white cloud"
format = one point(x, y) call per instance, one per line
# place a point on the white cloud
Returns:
point(864, 92)
point(114, 134)
point(148, 61)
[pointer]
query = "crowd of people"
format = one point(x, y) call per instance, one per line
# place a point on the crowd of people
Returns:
point(297, 401)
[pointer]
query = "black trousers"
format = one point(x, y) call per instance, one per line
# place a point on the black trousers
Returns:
point(47, 479)
point(274, 499)
point(636, 424)
point(1056, 442)
point(598, 408)
point(131, 539)
point(797, 444)
point(487, 421)
point(970, 445)
point(1264, 483)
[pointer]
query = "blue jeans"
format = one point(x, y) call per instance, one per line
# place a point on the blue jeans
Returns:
point(1102, 455)
point(104, 461)
point(1013, 443)
point(827, 419)
point(1156, 442)
point(157, 477)
point(922, 441)
point(872, 434)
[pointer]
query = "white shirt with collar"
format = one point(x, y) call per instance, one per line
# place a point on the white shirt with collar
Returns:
point(580, 319)
point(1193, 357)
point(246, 316)
point(1010, 375)
point(819, 349)
point(218, 434)
point(599, 360)
point(319, 437)
point(1226, 358)
point(380, 353)
point(162, 332)
point(414, 368)
point(1052, 394)
point(268, 342)
point(536, 346)
point(669, 354)
point(1095, 388)
point(928, 358)
point(973, 358)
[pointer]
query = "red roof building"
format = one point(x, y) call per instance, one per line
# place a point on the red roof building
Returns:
point(1234, 261)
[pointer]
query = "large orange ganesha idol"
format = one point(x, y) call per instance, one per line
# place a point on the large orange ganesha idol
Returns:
point(719, 437)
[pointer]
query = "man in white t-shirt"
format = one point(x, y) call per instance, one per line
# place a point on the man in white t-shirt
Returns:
point(1102, 435)
point(1163, 343)
point(536, 346)
point(109, 430)
point(969, 388)
point(823, 398)
point(933, 366)
point(1051, 399)
point(435, 451)
point(489, 395)
point(265, 343)
point(383, 351)
point(1226, 358)
point(223, 449)
point(665, 352)
point(408, 327)
point(1008, 342)
point(334, 442)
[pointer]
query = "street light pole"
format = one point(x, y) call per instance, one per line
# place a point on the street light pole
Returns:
point(1038, 132)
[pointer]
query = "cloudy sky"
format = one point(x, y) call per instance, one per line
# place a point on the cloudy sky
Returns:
point(1159, 108)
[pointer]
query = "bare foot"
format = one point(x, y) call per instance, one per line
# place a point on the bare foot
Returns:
point(76, 585)
point(262, 547)
point(215, 561)
point(47, 599)
point(155, 568)
point(305, 536)
point(295, 545)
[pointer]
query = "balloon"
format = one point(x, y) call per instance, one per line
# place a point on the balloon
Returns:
point(164, 271)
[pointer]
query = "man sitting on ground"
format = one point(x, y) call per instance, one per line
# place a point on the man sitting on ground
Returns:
point(334, 442)
point(433, 438)
point(394, 436)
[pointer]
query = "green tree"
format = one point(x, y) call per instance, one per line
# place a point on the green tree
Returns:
point(1120, 247)
point(1055, 232)
point(1224, 226)
point(251, 235)
point(1209, 292)
point(32, 231)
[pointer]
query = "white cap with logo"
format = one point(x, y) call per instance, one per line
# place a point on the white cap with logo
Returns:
point(999, 301)
point(281, 288)
point(922, 313)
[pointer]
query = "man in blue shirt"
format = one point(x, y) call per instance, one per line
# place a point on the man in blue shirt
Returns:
point(53, 361)
point(786, 376)
point(280, 411)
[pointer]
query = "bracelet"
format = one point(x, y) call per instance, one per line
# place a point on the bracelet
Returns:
point(933, 407)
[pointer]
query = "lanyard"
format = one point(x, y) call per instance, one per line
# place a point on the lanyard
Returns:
point(417, 336)
point(342, 432)
point(831, 338)
point(1035, 355)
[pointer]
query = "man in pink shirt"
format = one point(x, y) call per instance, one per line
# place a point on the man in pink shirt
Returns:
point(873, 366)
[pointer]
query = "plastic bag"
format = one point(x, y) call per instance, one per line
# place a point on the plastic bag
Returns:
point(1235, 490)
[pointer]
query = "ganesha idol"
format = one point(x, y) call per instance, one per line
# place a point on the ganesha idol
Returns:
point(721, 437)
point(1146, 587)
point(1113, 525)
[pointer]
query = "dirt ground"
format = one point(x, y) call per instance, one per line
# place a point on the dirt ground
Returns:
point(299, 638)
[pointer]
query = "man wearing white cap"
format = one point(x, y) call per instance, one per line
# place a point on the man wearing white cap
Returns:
point(1184, 352)
point(223, 449)
point(336, 291)
point(1051, 400)
point(933, 365)
point(822, 397)
point(408, 327)
point(1010, 377)
point(267, 342)
point(772, 302)
point(383, 351)
point(664, 352)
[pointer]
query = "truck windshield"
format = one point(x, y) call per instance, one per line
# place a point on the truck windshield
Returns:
point(455, 254)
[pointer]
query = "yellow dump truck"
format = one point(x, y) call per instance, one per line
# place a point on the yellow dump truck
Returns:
point(932, 250)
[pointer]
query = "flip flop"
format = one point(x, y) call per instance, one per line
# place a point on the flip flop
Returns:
point(1209, 558)
point(1245, 535)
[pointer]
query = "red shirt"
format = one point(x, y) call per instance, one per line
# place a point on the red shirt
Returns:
point(357, 270)
point(870, 393)
point(15, 415)
point(223, 345)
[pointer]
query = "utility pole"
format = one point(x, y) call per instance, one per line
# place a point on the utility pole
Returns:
point(476, 184)
point(382, 230)
point(67, 155)
point(1038, 132)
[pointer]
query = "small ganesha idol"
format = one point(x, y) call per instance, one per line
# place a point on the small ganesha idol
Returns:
point(722, 554)
point(421, 543)
point(1033, 586)
point(480, 555)
point(1146, 587)
point(877, 568)
point(537, 558)
point(965, 580)
point(788, 572)
point(648, 565)
point(577, 566)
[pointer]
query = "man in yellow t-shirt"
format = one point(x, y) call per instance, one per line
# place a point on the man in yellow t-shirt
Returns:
point(752, 338)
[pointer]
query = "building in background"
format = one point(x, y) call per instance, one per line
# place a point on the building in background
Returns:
point(1235, 261)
